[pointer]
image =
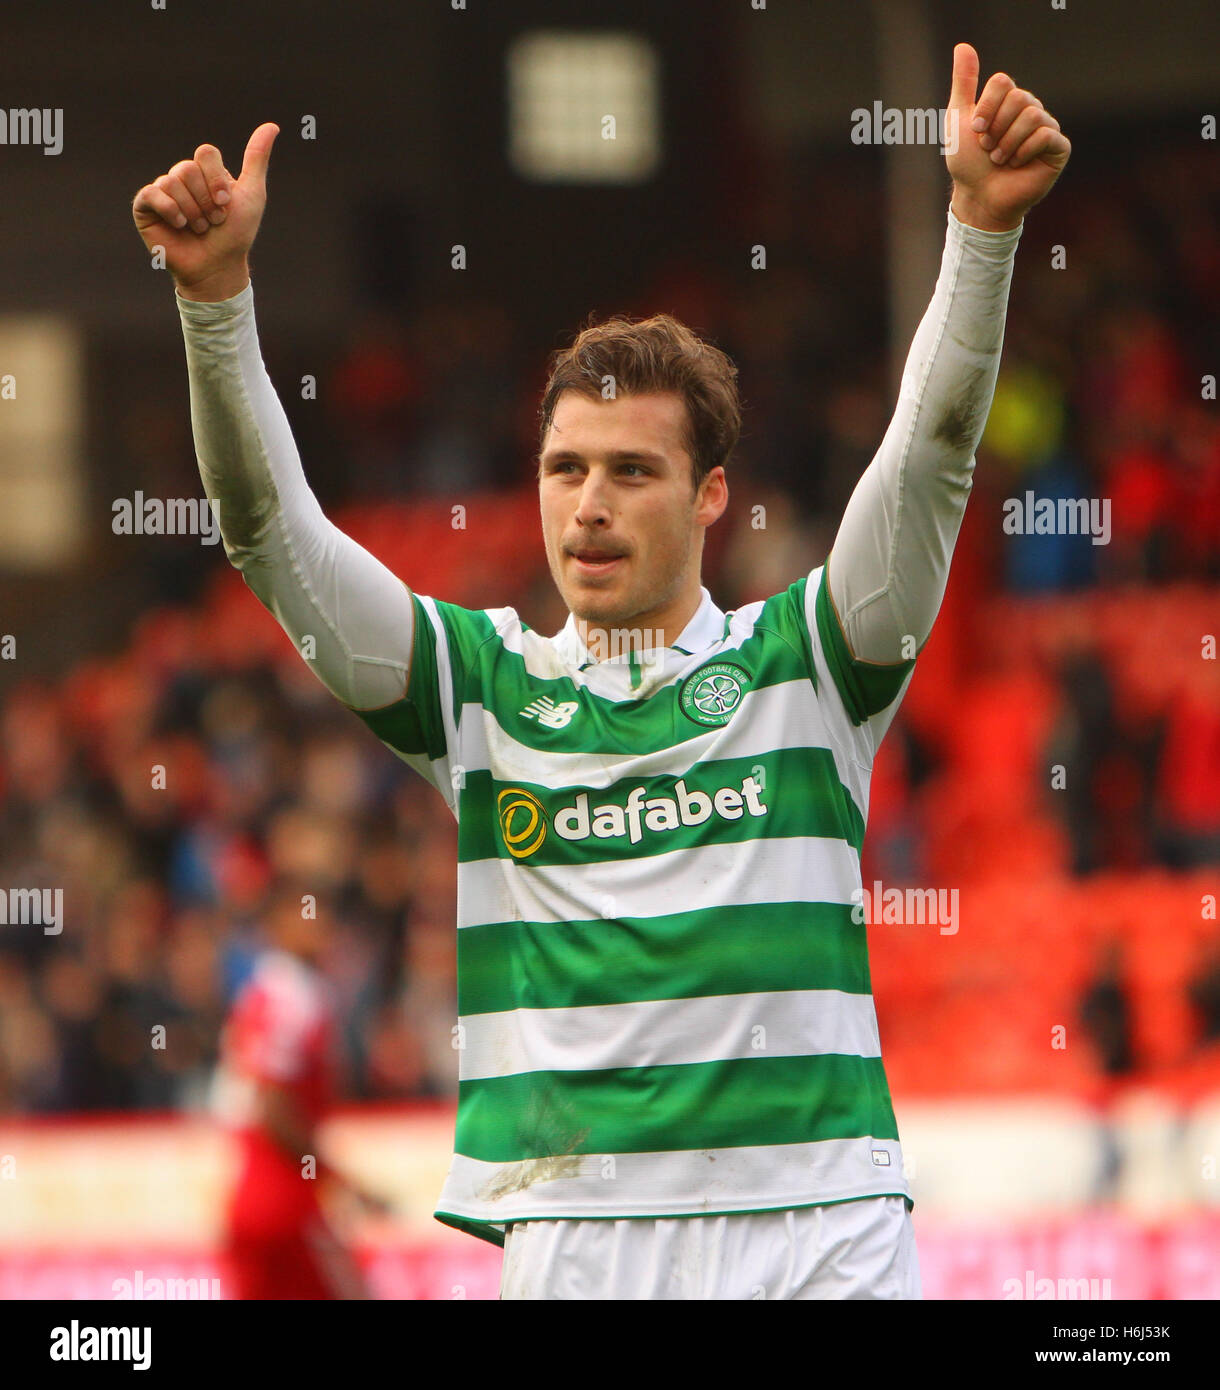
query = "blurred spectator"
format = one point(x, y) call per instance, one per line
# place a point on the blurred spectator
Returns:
point(1190, 772)
point(1061, 559)
point(1204, 993)
point(1105, 1013)
point(1109, 768)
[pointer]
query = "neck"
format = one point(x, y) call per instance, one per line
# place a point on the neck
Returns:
point(660, 627)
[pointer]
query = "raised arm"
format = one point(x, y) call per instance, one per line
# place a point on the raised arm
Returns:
point(889, 564)
point(344, 610)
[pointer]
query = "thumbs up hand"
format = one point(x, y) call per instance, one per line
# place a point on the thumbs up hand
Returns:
point(1008, 149)
point(205, 219)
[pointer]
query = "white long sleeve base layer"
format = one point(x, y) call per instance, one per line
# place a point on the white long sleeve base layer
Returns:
point(316, 581)
point(887, 570)
point(889, 564)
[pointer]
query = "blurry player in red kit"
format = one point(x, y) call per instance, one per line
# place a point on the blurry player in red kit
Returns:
point(275, 1085)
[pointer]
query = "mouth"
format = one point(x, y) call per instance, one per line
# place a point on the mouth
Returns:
point(590, 561)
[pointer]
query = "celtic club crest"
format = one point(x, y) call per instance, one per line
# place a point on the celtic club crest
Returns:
point(712, 694)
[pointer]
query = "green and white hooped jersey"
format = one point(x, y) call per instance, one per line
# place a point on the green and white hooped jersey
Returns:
point(665, 1007)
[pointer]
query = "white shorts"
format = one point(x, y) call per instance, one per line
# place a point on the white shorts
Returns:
point(858, 1249)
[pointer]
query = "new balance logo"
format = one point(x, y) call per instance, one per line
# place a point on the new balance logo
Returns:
point(548, 713)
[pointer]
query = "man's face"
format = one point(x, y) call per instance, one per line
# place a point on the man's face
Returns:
point(303, 936)
point(622, 525)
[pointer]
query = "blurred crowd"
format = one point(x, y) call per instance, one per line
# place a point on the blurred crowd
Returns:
point(166, 806)
point(166, 792)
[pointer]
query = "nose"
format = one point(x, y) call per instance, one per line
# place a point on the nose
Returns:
point(592, 508)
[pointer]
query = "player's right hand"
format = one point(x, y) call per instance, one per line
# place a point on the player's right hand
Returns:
point(205, 219)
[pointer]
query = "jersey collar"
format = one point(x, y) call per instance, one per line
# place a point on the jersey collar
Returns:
point(705, 628)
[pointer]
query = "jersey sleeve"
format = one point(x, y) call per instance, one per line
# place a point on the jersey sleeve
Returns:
point(423, 727)
point(858, 699)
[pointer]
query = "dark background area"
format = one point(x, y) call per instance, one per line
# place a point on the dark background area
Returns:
point(410, 159)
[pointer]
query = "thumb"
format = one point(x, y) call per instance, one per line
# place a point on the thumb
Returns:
point(965, 77)
point(258, 152)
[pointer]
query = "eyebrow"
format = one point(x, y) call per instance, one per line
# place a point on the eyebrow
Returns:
point(616, 455)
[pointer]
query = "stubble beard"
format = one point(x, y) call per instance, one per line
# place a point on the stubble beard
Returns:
point(601, 610)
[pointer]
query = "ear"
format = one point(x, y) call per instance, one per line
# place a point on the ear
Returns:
point(712, 497)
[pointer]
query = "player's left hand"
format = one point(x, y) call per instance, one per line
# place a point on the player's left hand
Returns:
point(1011, 160)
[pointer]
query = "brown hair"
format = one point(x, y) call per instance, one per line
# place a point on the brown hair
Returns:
point(653, 355)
